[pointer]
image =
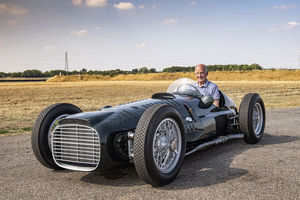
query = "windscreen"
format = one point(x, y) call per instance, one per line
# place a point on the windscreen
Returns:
point(184, 86)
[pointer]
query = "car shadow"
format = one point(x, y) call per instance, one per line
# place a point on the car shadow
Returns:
point(204, 168)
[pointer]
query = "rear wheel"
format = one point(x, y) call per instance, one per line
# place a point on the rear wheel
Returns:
point(252, 118)
point(45, 123)
point(159, 145)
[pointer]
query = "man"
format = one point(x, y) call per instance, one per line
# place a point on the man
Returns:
point(204, 86)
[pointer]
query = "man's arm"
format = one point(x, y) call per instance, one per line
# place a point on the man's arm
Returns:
point(216, 102)
point(216, 95)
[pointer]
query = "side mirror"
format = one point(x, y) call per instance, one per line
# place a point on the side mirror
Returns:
point(206, 101)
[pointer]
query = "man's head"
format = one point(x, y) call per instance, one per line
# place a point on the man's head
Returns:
point(201, 72)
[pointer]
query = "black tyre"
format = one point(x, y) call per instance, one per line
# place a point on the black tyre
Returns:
point(159, 145)
point(44, 124)
point(252, 118)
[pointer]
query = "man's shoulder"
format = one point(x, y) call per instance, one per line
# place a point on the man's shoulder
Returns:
point(211, 84)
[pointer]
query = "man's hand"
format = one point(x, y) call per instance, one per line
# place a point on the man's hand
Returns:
point(216, 102)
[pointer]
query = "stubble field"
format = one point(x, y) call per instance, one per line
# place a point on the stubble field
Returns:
point(20, 103)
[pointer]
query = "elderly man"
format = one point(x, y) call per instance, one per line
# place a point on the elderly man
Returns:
point(204, 86)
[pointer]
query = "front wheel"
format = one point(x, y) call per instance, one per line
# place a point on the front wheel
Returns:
point(252, 118)
point(159, 145)
point(42, 130)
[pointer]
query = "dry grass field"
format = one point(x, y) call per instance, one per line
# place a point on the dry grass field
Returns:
point(20, 103)
point(266, 75)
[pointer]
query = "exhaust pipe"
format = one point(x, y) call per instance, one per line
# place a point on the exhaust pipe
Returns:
point(219, 140)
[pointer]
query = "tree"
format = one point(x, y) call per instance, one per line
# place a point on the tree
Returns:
point(134, 71)
point(16, 74)
point(33, 73)
point(90, 72)
point(143, 70)
point(74, 72)
point(152, 70)
point(256, 66)
point(3, 75)
point(56, 72)
point(83, 71)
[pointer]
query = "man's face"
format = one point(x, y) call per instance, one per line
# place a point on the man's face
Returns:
point(201, 74)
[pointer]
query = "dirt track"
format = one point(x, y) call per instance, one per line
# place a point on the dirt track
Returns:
point(267, 170)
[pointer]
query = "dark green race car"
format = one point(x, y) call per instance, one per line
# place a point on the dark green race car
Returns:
point(154, 134)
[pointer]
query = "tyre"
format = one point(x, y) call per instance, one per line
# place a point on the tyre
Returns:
point(252, 118)
point(41, 132)
point(159, 145)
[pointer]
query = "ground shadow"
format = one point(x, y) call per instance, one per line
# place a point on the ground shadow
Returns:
point(204, 168)
point(61, 171)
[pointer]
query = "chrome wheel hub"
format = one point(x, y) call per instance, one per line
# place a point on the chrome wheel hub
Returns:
point(173, 146)
point(162, 143)
point(167, 145)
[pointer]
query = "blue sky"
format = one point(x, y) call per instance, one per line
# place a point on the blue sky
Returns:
point(110, 34)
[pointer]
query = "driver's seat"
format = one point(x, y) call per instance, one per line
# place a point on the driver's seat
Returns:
point(222, 100)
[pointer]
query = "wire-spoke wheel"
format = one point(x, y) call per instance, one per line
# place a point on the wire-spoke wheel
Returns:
point(167, 145)
point(159, 145)
point(257, 118)
point(252, 117)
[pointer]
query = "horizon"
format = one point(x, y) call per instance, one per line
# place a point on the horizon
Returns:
point(157, 71)
point(109, 34)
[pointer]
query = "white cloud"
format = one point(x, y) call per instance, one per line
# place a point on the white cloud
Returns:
point(142, 45)
point(154, 5)
point(286, 26)
point(285, 7)
point(49, 47)
point(98, 28)
point(76, 2)
point(12, 9)
point(141, 6)
point(171, 21)
point(124, 6)
point(13, 21)
point(79, 33)
point(293, 24)
point(96, 3)
point(193, 3)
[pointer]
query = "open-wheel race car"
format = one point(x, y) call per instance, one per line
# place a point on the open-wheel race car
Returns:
point(154, 134)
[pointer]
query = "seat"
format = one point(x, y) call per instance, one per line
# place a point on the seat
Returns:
point(222, 99)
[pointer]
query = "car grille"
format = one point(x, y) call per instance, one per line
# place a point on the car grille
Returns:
point(76, 147)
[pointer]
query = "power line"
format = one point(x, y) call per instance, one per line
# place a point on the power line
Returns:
point(66, 62)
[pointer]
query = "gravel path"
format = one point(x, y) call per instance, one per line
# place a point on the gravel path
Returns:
point(235, 170)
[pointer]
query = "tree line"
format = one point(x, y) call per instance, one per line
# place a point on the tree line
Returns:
point(144, 70)
point(215, 68)
point(37, 73)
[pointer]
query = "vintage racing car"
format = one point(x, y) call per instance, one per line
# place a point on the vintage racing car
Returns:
point(154, 134)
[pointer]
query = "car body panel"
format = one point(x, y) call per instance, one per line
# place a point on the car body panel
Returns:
point(206, 123)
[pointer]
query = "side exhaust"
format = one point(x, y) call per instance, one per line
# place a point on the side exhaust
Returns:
point(219, 140)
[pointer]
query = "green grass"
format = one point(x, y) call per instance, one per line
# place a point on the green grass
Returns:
point(26, 129)
point(3, 131)
point(10, 130)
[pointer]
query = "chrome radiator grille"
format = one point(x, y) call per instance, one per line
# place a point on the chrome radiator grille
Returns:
point(76, 147)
